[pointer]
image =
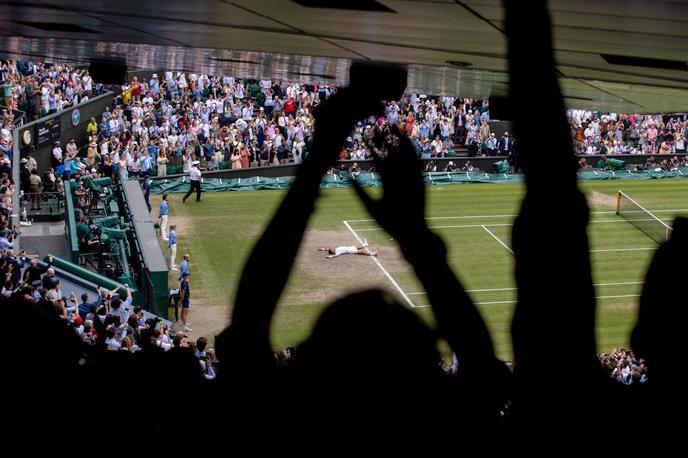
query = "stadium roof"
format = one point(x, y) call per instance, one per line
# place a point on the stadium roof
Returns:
point(615, 55)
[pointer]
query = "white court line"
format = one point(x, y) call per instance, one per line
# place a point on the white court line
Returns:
point(384, 271)
point(463, 226)
point(442, 227)
point(514, 216)
point(497, 239)
point(622, 249)
point(513, 302)
point(489, 290)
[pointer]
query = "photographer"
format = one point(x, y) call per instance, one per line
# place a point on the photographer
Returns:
point(91, 240)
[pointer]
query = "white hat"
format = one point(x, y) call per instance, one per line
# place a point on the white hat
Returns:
point(196, 162)
point(155, 75)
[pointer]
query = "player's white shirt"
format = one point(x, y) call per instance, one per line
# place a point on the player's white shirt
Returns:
point(345, 250)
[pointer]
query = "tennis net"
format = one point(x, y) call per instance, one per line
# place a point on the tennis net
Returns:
point(641, 218)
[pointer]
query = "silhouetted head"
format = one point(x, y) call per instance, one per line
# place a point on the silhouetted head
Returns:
point(366, 339)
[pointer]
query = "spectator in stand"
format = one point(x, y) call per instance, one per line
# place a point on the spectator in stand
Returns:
point(162, 161)
point(36, 188)
point(355, 170)
point(236, 157)
point(506, 144)
point(57, 156)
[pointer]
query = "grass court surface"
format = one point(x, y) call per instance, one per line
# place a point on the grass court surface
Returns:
point(475, 223)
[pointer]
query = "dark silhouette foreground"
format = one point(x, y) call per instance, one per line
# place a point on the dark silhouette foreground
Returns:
point(370, 366)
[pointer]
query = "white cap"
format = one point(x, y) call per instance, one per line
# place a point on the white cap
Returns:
point(155, 75)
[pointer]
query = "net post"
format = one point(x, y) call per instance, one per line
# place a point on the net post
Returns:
point(618, 203)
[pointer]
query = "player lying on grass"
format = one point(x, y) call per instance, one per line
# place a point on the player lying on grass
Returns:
point(340, 250)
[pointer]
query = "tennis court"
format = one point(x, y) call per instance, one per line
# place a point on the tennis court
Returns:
point(475, 221)
point(479, 251)
point(481, 244)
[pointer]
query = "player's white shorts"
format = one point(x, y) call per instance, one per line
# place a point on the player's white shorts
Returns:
point(345, 250)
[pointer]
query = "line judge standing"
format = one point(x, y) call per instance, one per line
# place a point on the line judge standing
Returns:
point(195, 177)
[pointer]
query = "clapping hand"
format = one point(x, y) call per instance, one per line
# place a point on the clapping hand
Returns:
point(401, 210)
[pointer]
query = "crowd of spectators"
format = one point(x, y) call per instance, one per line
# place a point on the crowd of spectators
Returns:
point(39, 89)
point(10, 263)
point(623, 366)
point(613, 133)
point(103, 321)
point(176, 118)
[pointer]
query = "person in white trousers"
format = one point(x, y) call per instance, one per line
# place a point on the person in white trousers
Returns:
point(164, 212)
point(172, 242)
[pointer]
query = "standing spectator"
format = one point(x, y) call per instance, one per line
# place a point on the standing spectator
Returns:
point(92, 127)
point(162, 163)
point(71, 149)
point(36, 187)
point(506, 143)
point(195, 182)
point(136, 89)
point(680, 145)
point(236, 158)
point(163, 214)
point(173, 246)
point(145, 164)
point(244, 157)
point(57, 155)
point(8, 87)
point(184, 296)
point(87, 308)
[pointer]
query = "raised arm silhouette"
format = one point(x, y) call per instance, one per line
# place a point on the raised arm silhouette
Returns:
point(555, 314)
point(370, 365)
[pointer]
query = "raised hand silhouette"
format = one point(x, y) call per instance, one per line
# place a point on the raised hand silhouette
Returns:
point(401, 211)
